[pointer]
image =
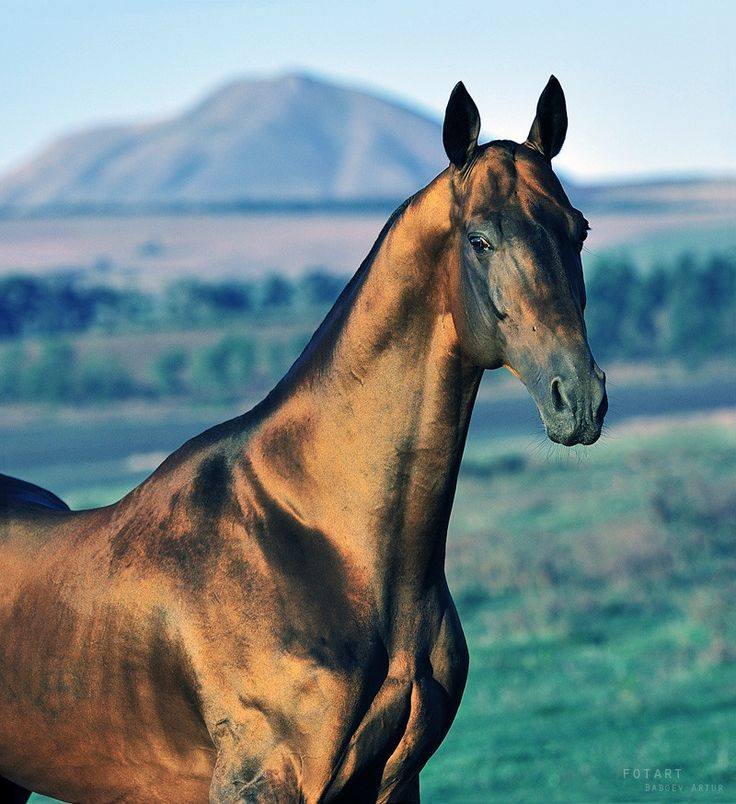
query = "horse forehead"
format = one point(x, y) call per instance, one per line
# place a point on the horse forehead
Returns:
point(539, 192)
point(492, 180)
point(512, 176)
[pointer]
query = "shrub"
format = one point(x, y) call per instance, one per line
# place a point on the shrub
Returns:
point(320, 287)
point(277, 291)
point(224, 370)
point(100, 378)
point(168, 371)
point(52, 375)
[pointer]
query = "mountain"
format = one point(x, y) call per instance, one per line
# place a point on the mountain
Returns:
point(285, 142)
point(289, 139)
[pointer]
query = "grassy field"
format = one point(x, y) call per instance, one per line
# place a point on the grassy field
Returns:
point(597, 593)
point(598, 599)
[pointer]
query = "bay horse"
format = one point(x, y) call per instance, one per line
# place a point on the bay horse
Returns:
point(266, 618)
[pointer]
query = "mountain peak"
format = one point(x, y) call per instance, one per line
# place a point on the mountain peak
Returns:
point(288, 138)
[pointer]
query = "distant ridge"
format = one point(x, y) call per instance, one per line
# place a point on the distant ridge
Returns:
point(292, 140)
point(291, 143)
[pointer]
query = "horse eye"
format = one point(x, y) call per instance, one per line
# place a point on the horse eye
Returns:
point(479, 243)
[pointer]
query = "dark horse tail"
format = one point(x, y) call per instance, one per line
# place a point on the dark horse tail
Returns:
point(15, 492)
point(11, 793)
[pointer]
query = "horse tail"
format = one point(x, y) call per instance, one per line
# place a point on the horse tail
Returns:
point(20, 492)
point(13, 793)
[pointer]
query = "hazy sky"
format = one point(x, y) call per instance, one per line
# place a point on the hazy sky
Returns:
point(651, 86)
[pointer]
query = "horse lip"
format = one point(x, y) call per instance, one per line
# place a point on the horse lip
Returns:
point(585, 433)
point(585, 437)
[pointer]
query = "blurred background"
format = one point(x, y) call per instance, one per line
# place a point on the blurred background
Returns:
point(185, 187)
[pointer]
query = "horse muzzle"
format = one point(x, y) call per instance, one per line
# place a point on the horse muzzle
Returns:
point(573, 408)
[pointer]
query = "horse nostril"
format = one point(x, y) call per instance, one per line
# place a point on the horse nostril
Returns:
point(602, 408)
point(559, 400)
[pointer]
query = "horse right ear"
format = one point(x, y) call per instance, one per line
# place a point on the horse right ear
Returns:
point(550, 124)
point(462, 126)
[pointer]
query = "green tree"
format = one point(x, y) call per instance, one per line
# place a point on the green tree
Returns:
point(719, 280)
point(13, 361)
point(277, 291)
point(642, 321)
point(611, 289)
point(225, 369)
point(101, 378)
point(168, 371)
point(52, 375)
point(688, 314)
point(191, 302)
point(279, 355)
point(321, 287)
point(21, 298)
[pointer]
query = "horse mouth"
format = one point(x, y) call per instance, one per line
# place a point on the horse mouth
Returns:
point(570, 427)
point(586, 437)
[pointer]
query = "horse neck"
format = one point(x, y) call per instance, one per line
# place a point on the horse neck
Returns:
point(364, 440)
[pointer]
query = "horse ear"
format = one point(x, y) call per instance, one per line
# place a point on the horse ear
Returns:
point(550, 125)
point(462, 126)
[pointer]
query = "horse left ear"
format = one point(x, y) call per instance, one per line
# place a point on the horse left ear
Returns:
point(550, 125)
point(461, 127)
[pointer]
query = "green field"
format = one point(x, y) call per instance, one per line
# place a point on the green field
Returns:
point(598, 599)
point(597, 593)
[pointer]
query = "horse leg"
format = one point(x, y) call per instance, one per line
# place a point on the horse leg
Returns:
point(252, 766)
point(409, 793)
point(239, 780)
point(13, 793)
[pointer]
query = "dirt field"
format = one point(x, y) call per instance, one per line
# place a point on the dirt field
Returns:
point(151, 250)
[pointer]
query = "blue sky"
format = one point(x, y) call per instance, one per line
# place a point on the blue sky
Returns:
point(651, 86)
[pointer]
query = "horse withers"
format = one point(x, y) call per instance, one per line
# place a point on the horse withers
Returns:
point(266, 617)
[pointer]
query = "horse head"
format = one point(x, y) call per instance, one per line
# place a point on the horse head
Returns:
point(517, 293)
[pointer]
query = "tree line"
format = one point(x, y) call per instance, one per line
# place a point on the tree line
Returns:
point(684, 310)
point(58, 370)
point(66, 303)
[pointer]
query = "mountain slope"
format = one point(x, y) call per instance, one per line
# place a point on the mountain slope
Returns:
point(288, 139)
point(285, 141)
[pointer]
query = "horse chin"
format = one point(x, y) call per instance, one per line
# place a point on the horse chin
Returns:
point(571, 438)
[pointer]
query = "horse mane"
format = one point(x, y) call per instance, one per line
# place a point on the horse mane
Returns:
point(338, 312)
